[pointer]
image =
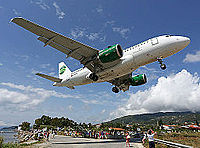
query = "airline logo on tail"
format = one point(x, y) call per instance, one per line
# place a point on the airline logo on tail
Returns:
point(62, 69)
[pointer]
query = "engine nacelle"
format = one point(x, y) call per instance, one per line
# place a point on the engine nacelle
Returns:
point(111, 54)
point(138, 80)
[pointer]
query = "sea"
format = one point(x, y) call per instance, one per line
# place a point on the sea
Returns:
point(9, 137)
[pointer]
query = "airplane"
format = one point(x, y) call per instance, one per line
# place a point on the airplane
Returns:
point(112, 64)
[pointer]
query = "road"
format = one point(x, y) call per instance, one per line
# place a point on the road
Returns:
point(69, 142)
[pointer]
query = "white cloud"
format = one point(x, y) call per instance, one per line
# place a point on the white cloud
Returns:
point(44, 66)
point(111, 22)
point(79, 32)
point(103, 111)
point(122, 31)
point(26, 97)
point(52, 74)
point(33, 71)
point(70, 108)
point(99, 9)
point(90, 101)
point(41, 4)
point(177, 92)
point(1, 64)
point(16, 12)
point(93, 36)
point(2, 123)
point(115, 28)
point(192, 57)
point(59, 12)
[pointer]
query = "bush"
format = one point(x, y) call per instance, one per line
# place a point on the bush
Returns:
point(10, 145)
point(1, 141)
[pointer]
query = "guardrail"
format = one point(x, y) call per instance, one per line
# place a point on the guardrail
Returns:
point(172, 144)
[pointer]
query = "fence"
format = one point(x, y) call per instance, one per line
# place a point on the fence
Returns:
point(172, 144)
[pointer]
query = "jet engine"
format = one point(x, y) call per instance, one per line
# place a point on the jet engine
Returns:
point(138, 80)
point(111, 54)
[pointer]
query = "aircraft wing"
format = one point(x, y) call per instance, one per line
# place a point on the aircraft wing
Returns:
point(71, 48)
point(49, 77)
point(122, 82)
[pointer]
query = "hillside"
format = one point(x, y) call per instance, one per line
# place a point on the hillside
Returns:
point(166, 117)
point(11, 128)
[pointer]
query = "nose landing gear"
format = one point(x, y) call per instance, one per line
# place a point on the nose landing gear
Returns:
point(162, 66)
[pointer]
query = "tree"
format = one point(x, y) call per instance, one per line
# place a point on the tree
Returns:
point(37, 124)
point(46, 120)
point(55, 122)
point(160, 122)
point(25, 126)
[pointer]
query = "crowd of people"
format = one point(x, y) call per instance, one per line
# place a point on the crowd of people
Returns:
point(145, 137)
point(45, 134)
point(35, 134)
point(90, 134)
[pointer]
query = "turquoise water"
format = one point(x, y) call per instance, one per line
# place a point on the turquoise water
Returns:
point(9, 137)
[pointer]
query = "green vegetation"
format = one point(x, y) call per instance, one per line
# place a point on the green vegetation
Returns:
point(167, 118)
point(8, 145)
point(63, 123)
point(1, 141)
point(46, 121)
point(25, 126)
point(187, 138)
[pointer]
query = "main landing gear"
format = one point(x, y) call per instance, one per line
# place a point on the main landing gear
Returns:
point(115, 89)
point(93, 77)
point(162, 66)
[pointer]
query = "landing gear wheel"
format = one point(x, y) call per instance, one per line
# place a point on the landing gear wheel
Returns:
point(93, 77)
point(163, 66)
point(115, 89)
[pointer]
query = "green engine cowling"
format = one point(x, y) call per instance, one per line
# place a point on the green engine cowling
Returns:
point(138, 80)
point(111, 54)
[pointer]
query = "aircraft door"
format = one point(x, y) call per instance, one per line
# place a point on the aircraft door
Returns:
point(154, 41)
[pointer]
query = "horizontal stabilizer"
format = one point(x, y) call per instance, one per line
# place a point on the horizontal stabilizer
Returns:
point(49, 77)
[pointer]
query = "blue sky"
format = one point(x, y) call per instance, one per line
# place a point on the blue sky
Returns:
point(24, 96)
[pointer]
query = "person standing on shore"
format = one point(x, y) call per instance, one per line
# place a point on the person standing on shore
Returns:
point(53, 134)
point(150, 136)
point(128, 139)
point(48, 136)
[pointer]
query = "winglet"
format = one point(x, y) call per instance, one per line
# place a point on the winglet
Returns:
point(15, 19)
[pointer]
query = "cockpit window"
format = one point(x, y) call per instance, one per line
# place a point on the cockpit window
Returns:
point(168, 35)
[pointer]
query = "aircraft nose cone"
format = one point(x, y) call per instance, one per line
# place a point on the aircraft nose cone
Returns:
point(187, 40)
point(184, 40)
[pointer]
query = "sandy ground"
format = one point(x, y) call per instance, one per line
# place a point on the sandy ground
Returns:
point(69, 142)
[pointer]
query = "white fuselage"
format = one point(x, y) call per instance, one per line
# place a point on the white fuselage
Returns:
point(133, 58)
